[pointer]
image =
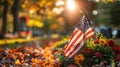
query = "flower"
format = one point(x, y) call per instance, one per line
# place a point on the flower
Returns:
point(110, 43)
point(117, 58)
point(79, 58)
point(116, 49)
point(88, 51)
point(96, 41)
point(57, 59)
point(102, 41)
point(98, 54)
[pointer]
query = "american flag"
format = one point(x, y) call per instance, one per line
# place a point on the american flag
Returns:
point(82, 32)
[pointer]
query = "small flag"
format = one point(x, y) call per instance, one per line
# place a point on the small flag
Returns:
point(82, 32)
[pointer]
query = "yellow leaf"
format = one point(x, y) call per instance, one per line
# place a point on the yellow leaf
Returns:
point(17, 62)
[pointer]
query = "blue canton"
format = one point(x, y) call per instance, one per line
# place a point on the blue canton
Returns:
point(83, 24)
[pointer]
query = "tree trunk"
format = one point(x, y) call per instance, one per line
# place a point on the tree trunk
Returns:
point(4, 24)
point(15, 12)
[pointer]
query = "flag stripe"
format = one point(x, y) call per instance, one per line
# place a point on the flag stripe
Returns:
point(73, 45)
point(76, 48)
point(77, 36)
point(76, 33)
point(73, 34)
point(88, 30)
point(72, 41)
point(89, 33)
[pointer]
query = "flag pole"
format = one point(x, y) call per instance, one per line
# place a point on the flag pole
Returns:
point(86, 14)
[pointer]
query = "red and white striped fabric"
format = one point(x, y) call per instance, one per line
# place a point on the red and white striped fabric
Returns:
point(82, 32)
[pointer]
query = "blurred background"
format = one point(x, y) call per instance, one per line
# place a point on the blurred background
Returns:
point(38, 32)
point(59, 17)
